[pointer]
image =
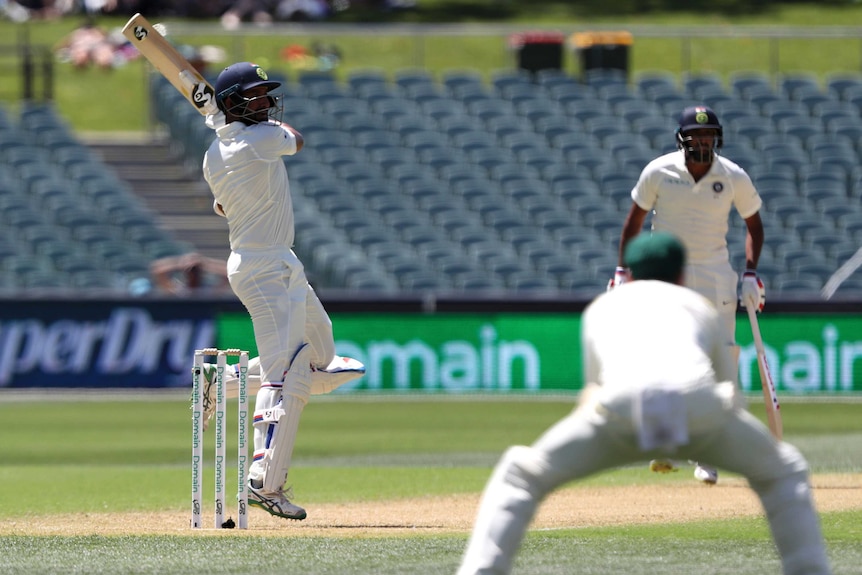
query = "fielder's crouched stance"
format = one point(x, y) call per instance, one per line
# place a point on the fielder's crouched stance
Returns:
point(651, 395)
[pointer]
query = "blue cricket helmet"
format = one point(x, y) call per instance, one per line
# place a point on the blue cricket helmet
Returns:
point(238, 78)
point(696, 118)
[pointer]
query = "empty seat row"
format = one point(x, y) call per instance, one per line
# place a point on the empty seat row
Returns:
point(545, 162)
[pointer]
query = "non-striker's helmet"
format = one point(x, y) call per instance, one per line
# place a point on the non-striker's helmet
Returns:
point(698, 118)
point(234, 81)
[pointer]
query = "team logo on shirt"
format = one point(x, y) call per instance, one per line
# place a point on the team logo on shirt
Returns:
point(717, 187)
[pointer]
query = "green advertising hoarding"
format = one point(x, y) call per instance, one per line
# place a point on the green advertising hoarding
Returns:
point(450, 352)
point(464, 352)
point(807, 353)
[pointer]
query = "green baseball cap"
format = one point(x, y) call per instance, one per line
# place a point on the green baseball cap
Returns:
point(655, 256)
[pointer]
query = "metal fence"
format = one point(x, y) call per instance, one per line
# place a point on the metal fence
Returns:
point(766, 42)
point(26, 69)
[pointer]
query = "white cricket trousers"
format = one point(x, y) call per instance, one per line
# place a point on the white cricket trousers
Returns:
point(601, 436)
point(286, 315)
point(285, 311)
point(717, 282)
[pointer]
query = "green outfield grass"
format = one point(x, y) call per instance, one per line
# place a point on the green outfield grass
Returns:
point(88, 457)
point(740, 547)
point(81, 94)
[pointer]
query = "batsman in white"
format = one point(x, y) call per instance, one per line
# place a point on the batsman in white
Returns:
point(245, 170)
point(690, 193)
point(662, 387)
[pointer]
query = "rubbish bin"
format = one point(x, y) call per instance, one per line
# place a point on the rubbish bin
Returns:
point(536, 51)
point(603, 50)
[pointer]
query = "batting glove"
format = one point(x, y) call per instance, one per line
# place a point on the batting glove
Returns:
point(753, 292)
point(621, 276)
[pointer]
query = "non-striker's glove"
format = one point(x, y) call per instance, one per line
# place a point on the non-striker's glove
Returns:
point(621, 276)
point(753, 293)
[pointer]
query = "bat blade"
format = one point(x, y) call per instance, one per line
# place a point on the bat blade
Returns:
point(770, 397)
point(171, 64)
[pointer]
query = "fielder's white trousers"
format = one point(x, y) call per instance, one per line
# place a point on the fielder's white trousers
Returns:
point(603, 435)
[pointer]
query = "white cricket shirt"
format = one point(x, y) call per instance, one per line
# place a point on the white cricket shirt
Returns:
point(646, 333)
point(245, 171)
point(697, 213)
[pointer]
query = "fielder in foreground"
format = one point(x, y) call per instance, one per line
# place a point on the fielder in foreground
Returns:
point(245, 170)
point(648, 395)
point(690, 193)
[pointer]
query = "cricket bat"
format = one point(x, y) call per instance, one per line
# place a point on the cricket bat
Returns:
point(171, 64)
point(770, 398)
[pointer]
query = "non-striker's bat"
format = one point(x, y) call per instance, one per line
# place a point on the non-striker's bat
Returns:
point(770, 397)
point(167, 60)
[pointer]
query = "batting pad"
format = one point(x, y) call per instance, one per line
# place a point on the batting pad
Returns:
point(280, 435)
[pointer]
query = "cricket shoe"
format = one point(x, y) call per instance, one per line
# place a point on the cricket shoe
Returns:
point(704, 474)
point(341, 364)
point(274, 503)
point(662, 466)
point(339, 371)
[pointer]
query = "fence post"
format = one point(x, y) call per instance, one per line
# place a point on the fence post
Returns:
point(27, 73)
point(47, 75)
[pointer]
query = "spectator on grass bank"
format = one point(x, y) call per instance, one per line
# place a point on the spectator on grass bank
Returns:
point(266, 11)
point(316, 57)
point(38, 9)
point(90, 44)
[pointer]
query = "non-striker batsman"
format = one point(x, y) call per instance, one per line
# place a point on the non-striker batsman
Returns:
point(690, 193)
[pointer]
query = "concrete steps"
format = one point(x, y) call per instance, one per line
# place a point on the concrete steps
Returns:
point(182, 199)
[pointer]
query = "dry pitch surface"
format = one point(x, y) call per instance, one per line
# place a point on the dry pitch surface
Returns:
point(575, 506)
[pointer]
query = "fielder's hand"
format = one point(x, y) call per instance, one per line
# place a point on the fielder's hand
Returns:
point(753, 292)
point(621, 276)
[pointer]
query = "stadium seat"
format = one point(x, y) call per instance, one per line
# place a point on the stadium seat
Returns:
point(38, 280)
point(423, 280)
point(763, 99)
point(601, 77)
point(412, 76)
point(584, 110)
point(93, 279)
point(502, 79)
point(479, 281)
point(742, 82)
point(530, 283)
point(692, 82)
point(830, 110)
point(838, 83)
point(649, 79)
point(790, 84)
point(569, 91)
point(359, 78)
